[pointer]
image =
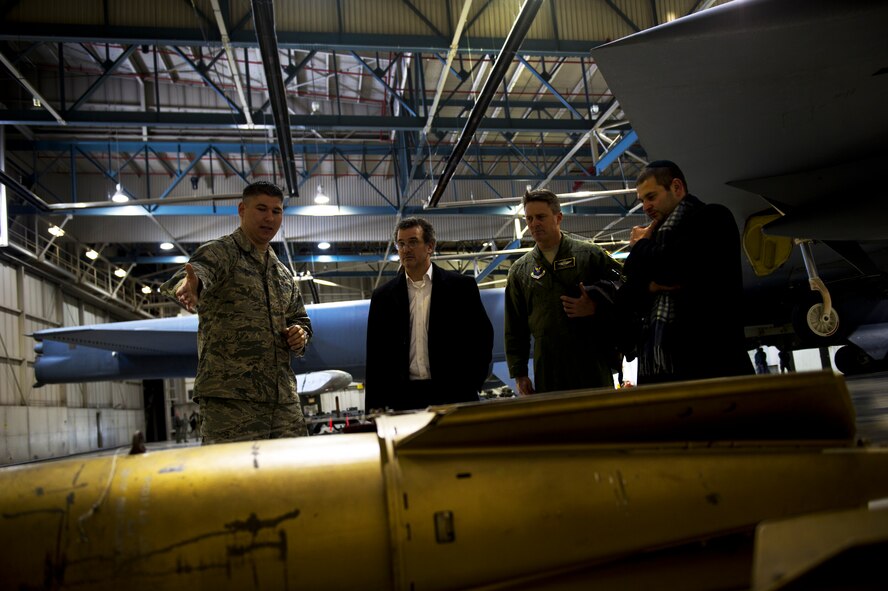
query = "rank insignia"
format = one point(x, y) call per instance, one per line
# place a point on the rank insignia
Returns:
point(538, 272)
point(565, 263)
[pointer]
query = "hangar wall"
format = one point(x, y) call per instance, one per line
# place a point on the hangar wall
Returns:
point(62, 419)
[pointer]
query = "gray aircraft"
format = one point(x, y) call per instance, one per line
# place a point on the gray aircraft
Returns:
point(777, 109)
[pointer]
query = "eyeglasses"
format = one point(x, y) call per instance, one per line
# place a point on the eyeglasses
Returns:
point(409, 245)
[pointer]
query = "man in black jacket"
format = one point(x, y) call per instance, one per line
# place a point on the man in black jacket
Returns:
point(429, 340)
point(684, 283)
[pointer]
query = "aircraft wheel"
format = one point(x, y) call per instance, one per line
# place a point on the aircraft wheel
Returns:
point(852, 360)
point(812, 326)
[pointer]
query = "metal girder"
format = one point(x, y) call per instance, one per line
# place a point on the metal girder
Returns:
point(260, 149)
point(501, 256)
point(395, 94)
point(306, 40)
point(17, 188)
point(182, 174)
point(549, 87)
point(101, 80)
point(292, 74)
point(364, 177)
point(423, 18)
point(297, 122)
point(263, 20)
point(34, 92)
point(233, 168)
point(200, 72)
point(622, 15)
point(623, 144)
point(503, 60)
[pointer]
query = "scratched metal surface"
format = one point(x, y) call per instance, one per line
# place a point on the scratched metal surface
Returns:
point(870, 397)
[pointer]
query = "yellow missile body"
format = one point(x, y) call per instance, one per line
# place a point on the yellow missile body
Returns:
point(659, 486)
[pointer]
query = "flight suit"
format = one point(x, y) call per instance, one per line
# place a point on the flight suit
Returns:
point(568, 353)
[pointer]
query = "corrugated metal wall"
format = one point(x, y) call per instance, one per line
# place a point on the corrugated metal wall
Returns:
point(53, 420)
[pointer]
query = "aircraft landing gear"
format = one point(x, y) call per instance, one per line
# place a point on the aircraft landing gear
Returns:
point(815, 321)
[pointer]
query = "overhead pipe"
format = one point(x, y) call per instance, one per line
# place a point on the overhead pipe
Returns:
point(23, 192)
point(34, 92)
point(232, 62)
point(454, 46)
point(497, 73)
point(263, 20)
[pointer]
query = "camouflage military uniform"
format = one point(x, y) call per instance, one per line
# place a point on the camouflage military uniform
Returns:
point(246, 302)
point(568, 353)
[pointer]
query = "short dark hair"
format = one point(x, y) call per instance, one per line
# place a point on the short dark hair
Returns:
point(663, 171)
point(262, 188)
point(428, 232)
point(544, 195)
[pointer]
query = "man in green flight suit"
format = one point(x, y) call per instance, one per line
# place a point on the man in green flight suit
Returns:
point(251, 320)
point(561, 294)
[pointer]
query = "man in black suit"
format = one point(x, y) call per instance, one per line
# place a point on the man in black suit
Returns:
point(429, 339)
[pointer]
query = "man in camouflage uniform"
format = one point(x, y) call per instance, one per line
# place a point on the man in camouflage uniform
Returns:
point(251, 320)
point(561, 293)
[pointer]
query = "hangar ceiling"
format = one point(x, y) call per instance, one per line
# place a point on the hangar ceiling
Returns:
point(169, 100)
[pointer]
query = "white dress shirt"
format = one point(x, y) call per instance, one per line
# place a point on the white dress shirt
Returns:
point(420, 295)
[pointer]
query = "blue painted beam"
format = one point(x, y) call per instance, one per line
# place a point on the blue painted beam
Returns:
point(385, 84)
point(496, 262)
point(206, 79)
point(549, 87)
point(261, 149)
point(616, 151)
point(183, 174)
point(298, 122)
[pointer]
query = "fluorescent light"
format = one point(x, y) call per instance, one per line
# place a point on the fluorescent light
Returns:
point(320, 198)
point(620, 255)
point(56, 231)
point(181, 259)
point(118, 272)
point(119, 196)
point(166, 246)
point(146, 290)
point(323, 245)
point(91, 254)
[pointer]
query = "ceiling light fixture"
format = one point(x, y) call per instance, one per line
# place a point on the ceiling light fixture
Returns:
point(92, 254)
point(320, 198)
point(146, 290)
point(323, 245)
point(56, 231)
point(166, 246)
point(118, 272)
point(119, 196)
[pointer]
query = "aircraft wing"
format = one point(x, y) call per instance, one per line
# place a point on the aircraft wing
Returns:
point(164, 336)
point(760, 89)
point(167, 347)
